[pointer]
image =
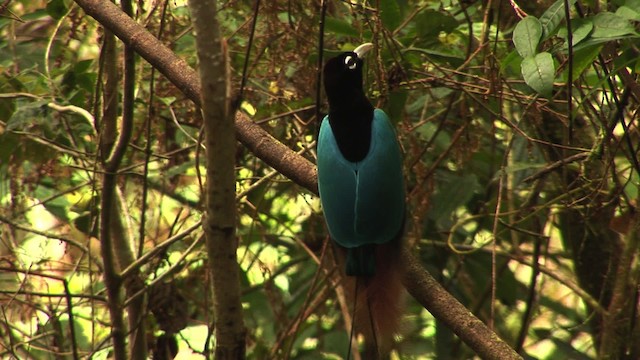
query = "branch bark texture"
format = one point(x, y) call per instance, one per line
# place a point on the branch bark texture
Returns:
point(108, 135)
point(617, 329)
point(220, 216)
point(420, 283)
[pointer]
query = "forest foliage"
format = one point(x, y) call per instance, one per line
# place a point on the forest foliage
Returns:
point(520, 138)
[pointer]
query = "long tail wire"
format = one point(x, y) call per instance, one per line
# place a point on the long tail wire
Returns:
point(353, 319)
point(374, 333)
point(352, 334)
point(245, 66)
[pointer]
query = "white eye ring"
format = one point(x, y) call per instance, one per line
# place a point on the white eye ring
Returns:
point(350, 61)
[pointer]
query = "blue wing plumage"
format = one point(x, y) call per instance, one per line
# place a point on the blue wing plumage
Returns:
point(363, 202)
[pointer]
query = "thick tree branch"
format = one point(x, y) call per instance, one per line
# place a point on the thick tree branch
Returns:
point(420, 284)
point(220, 213)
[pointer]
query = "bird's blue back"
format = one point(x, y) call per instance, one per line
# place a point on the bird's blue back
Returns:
point(363, 202)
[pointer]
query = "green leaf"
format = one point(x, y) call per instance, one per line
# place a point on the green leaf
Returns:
point(339, 27)
point(580, 29)
point(538, 72)
point(428, 130)
point(167, 100)
point(56, 9)
point(443, 51)
point(390, 14)
point(29, 115)
point(610, 25)
point(526, 36)
point(9, 147)
point(395, 106)
point(455, 191)
point(58, 206)
point(628, 13)
point(510, 64)
point(591, 41)
point(553, 17)
point(633, 5)
point(522, 166)
point(565, 350)
point(478, 268)
point(430, 23)
point(582, 59)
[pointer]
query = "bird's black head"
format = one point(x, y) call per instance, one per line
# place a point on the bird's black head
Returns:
point(343, 74)
point(350, 112)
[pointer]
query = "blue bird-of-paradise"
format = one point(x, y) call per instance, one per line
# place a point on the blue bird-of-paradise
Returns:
point(362, 193)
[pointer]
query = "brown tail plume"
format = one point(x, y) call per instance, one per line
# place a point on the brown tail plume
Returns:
point(380, 300)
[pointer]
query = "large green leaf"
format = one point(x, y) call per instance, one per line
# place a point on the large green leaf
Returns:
point(396, 104)
point(339, 27)
point(427, 131)
point(610, 25)
point(390, 14)
point(455, 191)
point(582, 59)
point(478, 267)
point(526, 36)
point(441, 51)
point(580, 30)
point(633, 5)
point(430, 23)
point(565, 350)
point(510, 64)
point(56, 9)
point(591, 41)
point(628, 13)
point(538, 72)
point(29, 115)
point(553, 16)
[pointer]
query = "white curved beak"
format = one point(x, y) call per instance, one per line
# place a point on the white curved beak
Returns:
point(363, 49)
